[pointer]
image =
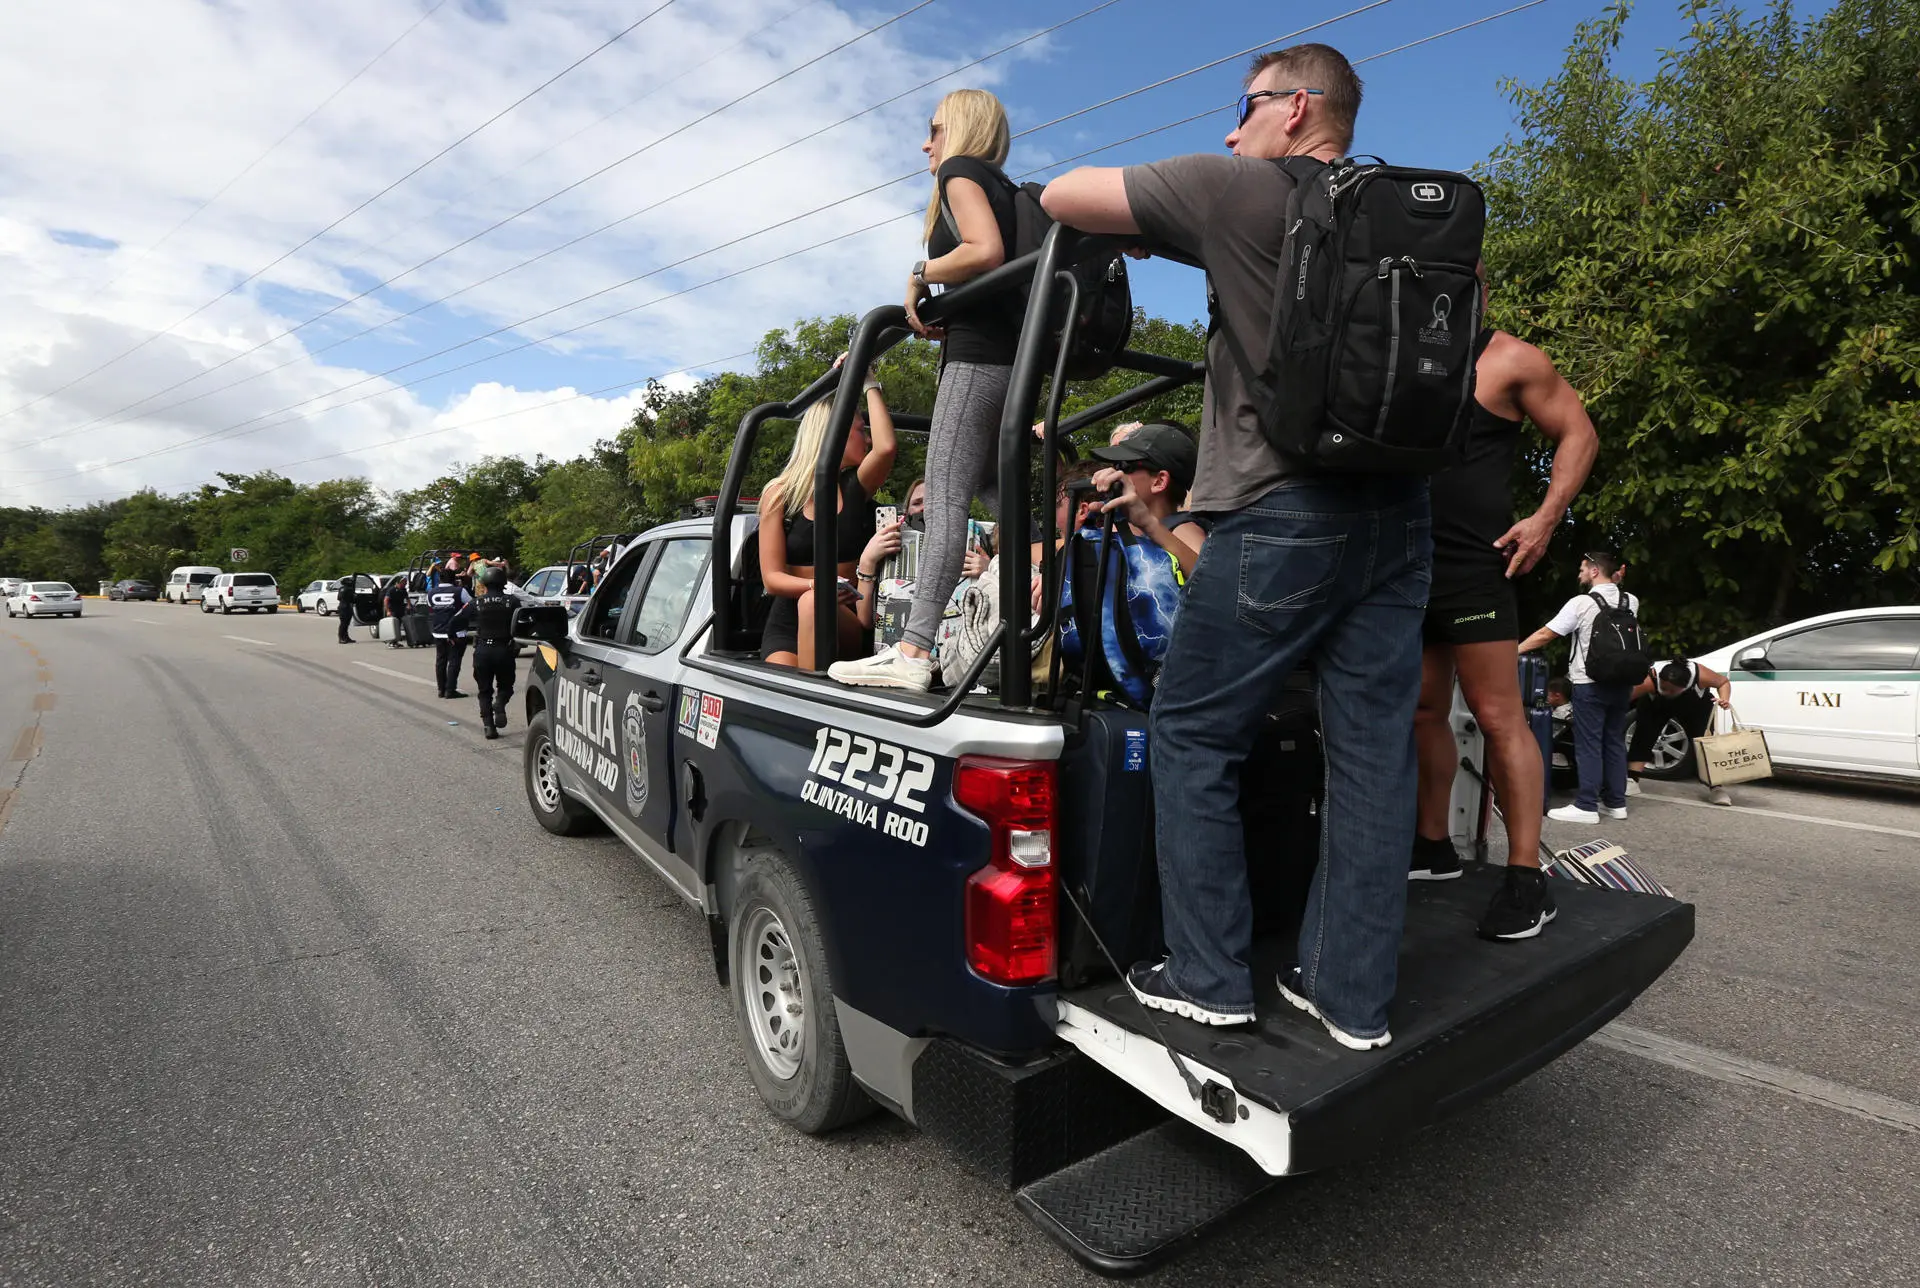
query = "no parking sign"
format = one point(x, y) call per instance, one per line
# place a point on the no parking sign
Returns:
point(239, 554)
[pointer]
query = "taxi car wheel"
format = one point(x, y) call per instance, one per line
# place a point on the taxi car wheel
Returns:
point(1671, 757)
point(558, 812)
point(783, 1001)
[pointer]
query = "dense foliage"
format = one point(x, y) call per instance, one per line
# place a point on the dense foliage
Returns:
point(1722, 260)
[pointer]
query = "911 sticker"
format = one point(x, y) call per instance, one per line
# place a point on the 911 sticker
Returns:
point(869, 774)
point(711, 709)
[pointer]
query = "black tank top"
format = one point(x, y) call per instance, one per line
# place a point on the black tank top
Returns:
point(1473, 501)
point(856, 525)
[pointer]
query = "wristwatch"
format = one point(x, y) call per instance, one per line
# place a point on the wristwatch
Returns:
point(920, 272)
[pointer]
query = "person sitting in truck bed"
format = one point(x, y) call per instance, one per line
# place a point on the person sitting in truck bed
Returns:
point(1153, 467)
point(786, 546)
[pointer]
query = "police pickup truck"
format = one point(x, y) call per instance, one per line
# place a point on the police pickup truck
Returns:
point(916, 901)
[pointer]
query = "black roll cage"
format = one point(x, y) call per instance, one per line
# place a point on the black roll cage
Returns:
point(878, 332)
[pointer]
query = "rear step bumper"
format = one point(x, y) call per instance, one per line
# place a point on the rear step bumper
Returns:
point(1471, 1019)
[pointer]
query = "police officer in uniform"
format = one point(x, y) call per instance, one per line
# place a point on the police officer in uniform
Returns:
point(493, 662)
point(450, 612)
point(343, 608)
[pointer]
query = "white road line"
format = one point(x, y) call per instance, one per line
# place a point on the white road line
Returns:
point(244, 640)
point(1722, 1067)
point(398, 675)
point(151, 621)
point(1774, 813)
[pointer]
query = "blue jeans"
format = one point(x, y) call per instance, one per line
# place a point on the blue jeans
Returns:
point(1327, 571)
point(1600, 743)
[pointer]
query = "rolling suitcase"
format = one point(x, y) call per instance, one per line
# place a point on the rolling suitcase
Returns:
point(419, 633)
point(1533, 698)
point(1107, 864)
point(388, 632)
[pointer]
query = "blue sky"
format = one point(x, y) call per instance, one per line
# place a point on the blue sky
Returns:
point(104, 241)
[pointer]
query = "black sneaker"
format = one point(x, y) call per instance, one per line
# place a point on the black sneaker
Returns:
point(491, 732)
point(1150, 984)
point(1521, 907)
point(1294, 993)
point(1433, 860)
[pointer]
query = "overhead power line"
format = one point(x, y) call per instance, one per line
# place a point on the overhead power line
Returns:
point(247, 428)
point(122, 414)
point(255, 275)
point(250, 166)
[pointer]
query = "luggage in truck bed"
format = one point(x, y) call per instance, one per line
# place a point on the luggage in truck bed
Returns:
point(1279, 1097)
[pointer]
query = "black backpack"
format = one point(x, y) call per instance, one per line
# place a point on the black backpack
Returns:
point(1616, 652)
point(1370, 358)
point(1104, 320)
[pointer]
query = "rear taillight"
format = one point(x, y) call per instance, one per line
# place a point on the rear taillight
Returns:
point(1010, 923)
point(33, 599)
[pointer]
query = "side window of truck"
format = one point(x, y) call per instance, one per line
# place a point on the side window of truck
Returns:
point(609, 605)
point(670, 590)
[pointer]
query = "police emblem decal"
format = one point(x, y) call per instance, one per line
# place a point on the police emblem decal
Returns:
point(634, 727)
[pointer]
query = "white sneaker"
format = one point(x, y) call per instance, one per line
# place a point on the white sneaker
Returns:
point(1633, 787)
point(1720, 796)
point(1574, 814)
point(887, 669)
point(1613, 811)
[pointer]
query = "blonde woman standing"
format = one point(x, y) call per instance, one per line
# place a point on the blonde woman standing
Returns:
point(966, 147)
point(788, 507)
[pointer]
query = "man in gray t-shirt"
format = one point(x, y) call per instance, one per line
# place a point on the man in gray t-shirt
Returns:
point(1298, 569)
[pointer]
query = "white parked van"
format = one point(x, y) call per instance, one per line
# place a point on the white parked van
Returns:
point(186, 584)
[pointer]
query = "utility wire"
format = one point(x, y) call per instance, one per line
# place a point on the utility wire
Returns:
point(228, 433)
point(1192, 71)
point(255, 275)
point(114, 416)
point(253, 164)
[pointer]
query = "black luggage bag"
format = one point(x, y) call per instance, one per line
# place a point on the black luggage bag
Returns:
point(1106, 846)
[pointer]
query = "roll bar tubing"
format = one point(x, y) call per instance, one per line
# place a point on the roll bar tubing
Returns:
point(879, 331)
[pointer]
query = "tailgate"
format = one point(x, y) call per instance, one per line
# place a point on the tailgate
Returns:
point(1471, 1018)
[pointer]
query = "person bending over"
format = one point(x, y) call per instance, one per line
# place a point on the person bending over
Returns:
point(787, 515)
point(1472, 628)
point(969, 230)
point(1675, 690)
point(1297, 567)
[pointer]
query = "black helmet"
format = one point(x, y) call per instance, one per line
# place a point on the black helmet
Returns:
point(493, 576)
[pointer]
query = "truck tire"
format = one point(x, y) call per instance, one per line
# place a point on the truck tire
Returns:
point(783, 1001)
point(558, 812)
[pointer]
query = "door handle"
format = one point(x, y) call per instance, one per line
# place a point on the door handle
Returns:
point(653, 701)
point(1888, 691)
point(590, 676)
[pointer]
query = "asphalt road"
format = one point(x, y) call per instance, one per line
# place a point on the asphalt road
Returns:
point(294, 991)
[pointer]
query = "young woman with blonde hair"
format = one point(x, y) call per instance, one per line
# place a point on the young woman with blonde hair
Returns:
point(787, 514)
point(966, 147)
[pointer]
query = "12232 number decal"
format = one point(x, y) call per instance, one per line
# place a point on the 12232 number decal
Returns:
point(869, 771)
point(896, 775)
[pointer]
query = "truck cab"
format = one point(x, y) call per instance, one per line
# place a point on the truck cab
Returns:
point(922, 903)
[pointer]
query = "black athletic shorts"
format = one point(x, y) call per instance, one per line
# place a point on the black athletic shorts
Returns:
point(1483, 613)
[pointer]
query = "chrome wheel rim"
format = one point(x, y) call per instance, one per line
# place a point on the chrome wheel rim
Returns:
point(775, 993)
point(546, 777)
point(1671, 746)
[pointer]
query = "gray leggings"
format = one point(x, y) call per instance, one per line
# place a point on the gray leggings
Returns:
point(963, 461)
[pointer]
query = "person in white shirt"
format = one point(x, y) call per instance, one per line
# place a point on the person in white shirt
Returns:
point(1675, 690)
point(1599, 710)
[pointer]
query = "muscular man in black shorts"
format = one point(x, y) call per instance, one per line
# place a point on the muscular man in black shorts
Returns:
point(1472, 628)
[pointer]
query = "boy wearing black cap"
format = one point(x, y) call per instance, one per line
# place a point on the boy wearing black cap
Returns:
point(1153, 467)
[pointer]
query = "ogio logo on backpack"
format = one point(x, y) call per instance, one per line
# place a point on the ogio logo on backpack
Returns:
point(1429, 192)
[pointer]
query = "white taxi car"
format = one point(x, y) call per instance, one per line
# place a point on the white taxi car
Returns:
point(44, 599)
point(1838, 693)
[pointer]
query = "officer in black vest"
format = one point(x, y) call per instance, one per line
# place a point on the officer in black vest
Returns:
point(343, 606)
point(449, 612)
point(493, 663)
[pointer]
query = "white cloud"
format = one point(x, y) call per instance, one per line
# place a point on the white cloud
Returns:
point(173, 97)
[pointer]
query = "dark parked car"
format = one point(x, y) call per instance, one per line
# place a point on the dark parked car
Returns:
point(133, 588)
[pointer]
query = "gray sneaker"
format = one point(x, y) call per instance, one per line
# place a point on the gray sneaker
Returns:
point(1720, 796)
point(887, 669)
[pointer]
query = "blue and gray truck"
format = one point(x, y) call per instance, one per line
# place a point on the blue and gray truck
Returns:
point(915, 901)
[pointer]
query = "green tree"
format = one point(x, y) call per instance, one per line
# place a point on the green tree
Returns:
point(1722, 261)
point(578, 500)
point(474, 507)
point(152, 536)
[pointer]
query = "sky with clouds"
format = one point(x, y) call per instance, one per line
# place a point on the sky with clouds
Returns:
point(449, 297)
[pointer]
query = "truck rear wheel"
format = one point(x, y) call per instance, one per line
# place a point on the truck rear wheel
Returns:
point(783, 1001)
point(558, 812)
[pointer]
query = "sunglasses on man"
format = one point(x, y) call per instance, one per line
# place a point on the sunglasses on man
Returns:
point(1243, 108)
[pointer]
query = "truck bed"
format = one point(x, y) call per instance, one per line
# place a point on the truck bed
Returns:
point(1471, 1018)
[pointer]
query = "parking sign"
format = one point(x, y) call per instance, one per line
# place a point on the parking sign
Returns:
point(239, 554)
